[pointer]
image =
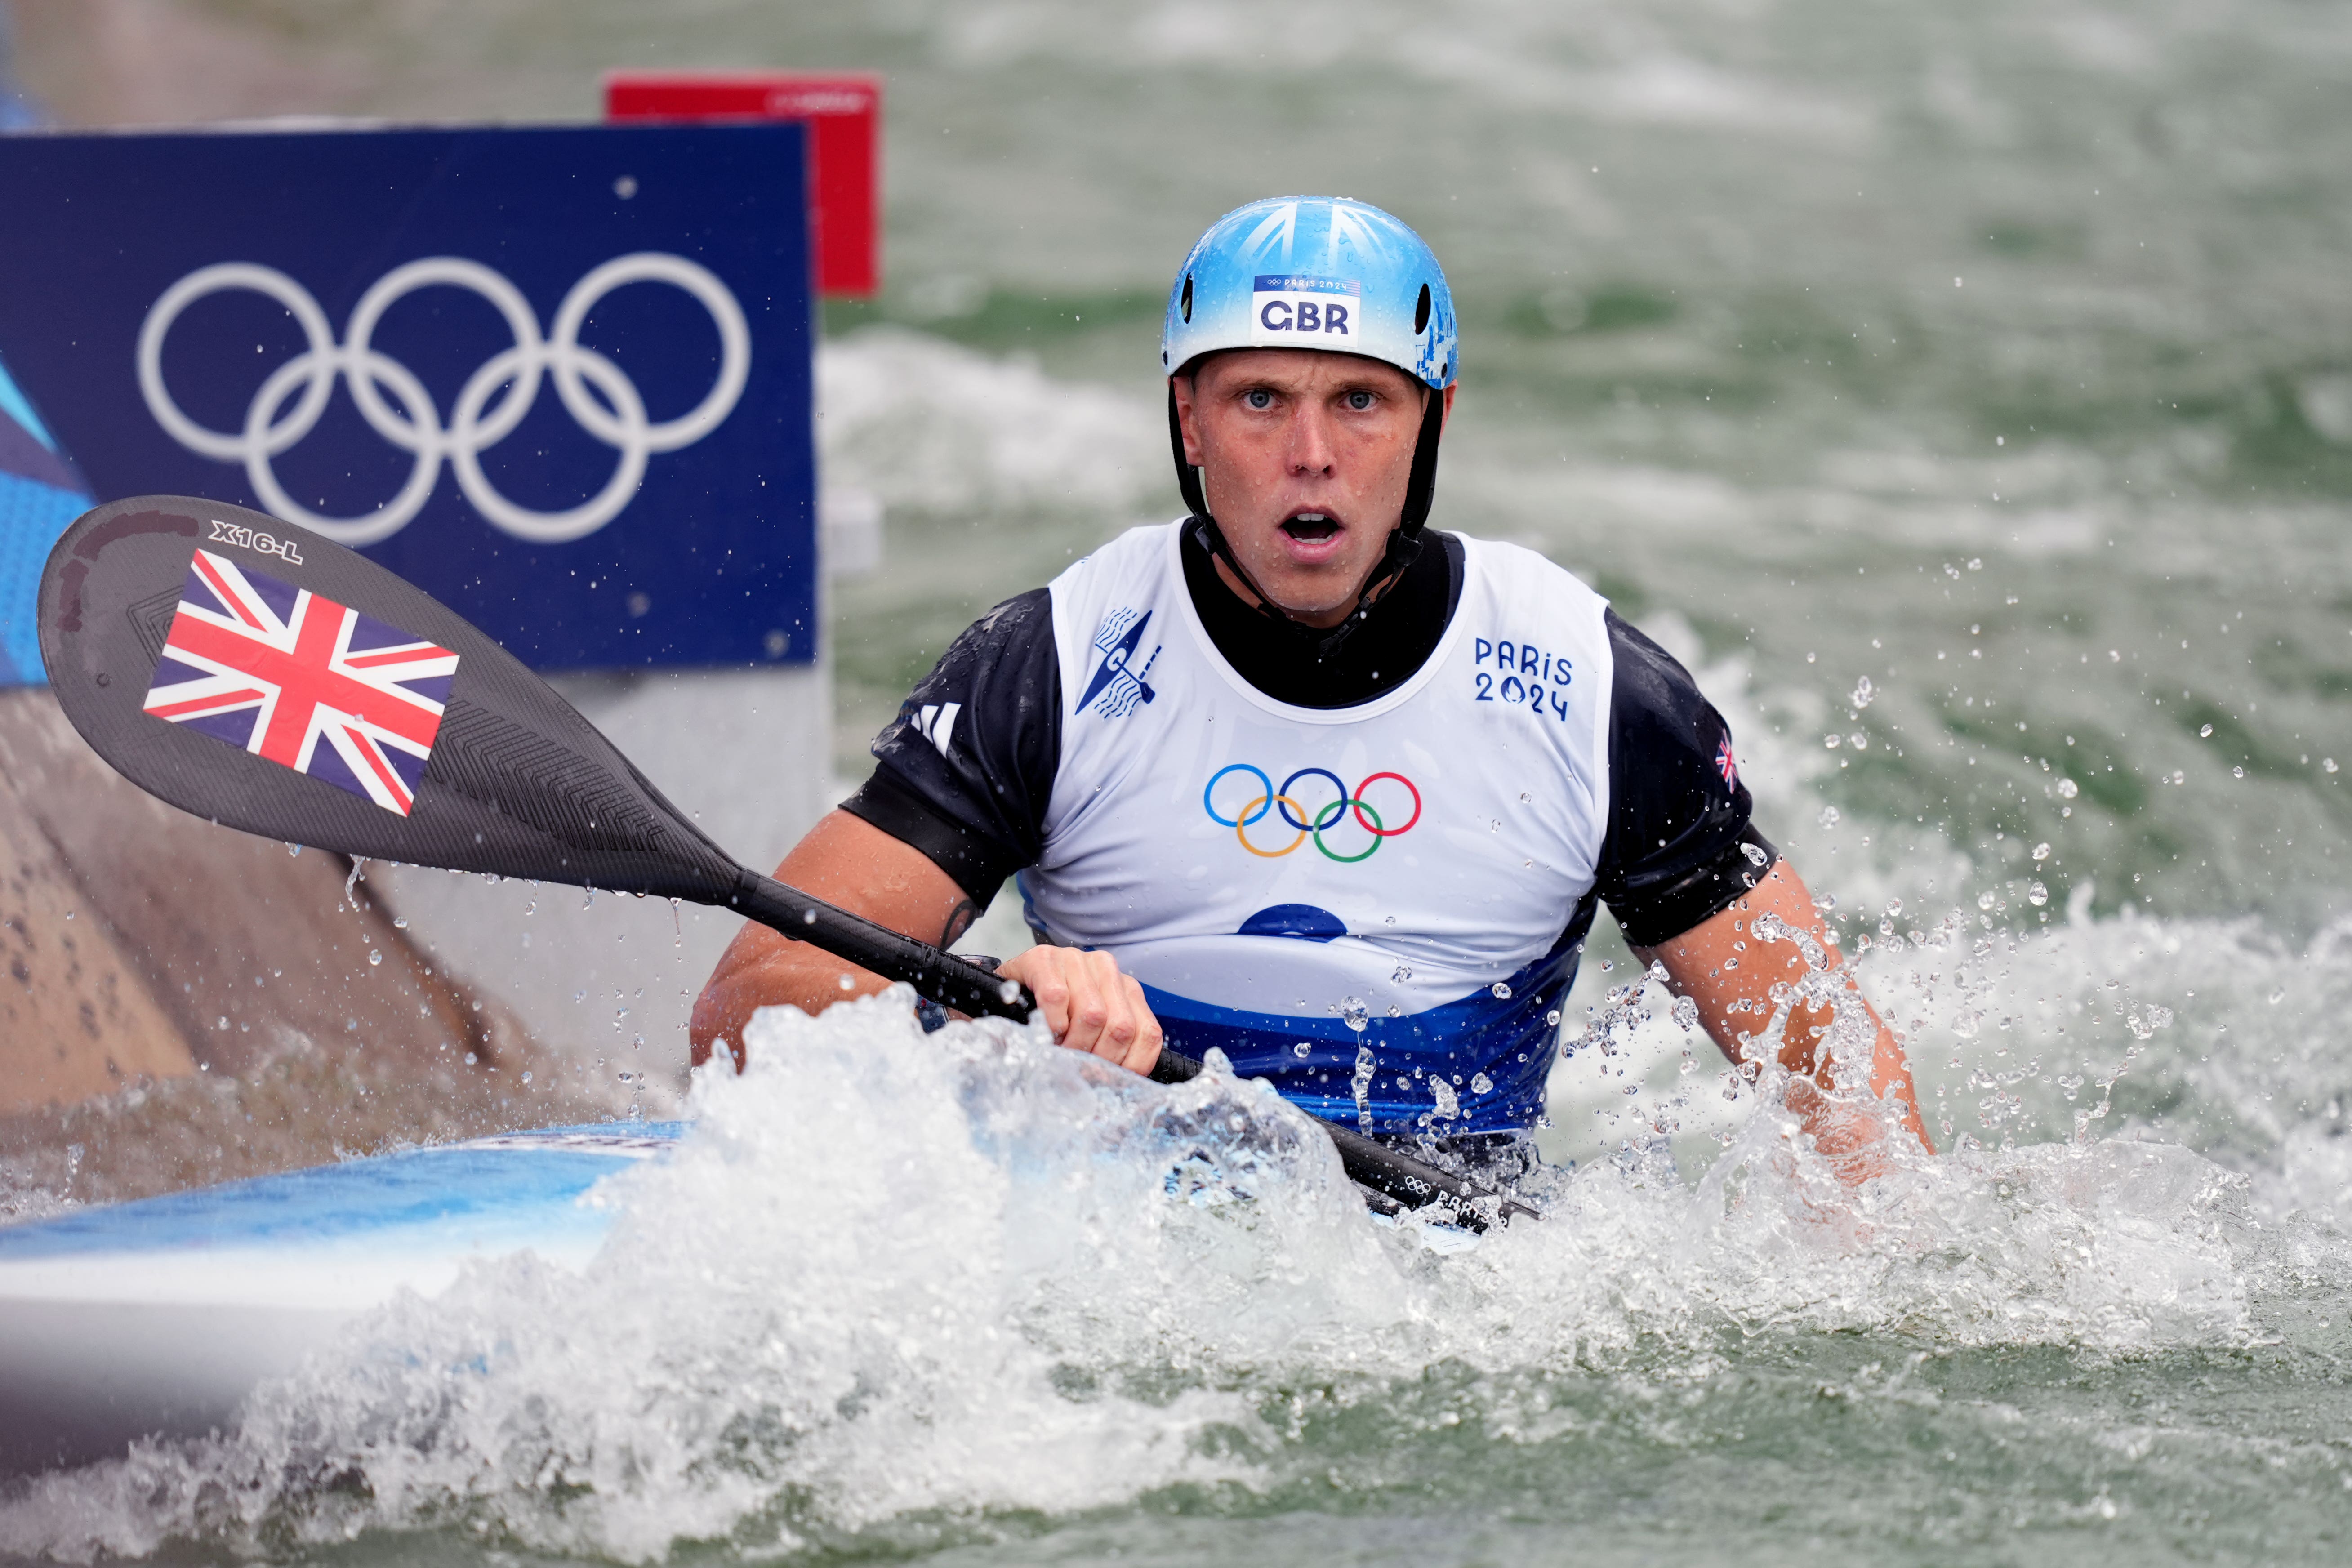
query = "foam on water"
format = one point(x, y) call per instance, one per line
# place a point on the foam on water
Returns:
point(891, 1282)
point(927, 424)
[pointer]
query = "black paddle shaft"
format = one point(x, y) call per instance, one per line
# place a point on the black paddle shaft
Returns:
point(517, 783)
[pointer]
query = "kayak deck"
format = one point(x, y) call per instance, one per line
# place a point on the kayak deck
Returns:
point(157, 1317)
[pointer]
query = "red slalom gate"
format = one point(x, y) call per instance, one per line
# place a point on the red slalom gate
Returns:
point(843, 114)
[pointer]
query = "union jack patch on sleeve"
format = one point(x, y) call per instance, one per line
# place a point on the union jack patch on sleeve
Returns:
point(306, 682)
point(1726, 765)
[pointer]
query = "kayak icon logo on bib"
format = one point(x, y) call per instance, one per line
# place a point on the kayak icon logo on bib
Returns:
point(1118, 685)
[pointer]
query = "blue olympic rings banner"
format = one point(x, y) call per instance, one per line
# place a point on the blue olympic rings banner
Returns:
point(1343, 823)
point(558, 378)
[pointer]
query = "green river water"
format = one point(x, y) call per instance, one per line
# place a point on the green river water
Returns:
point(1998, 355)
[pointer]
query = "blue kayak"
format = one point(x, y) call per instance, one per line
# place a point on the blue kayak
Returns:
point(157, 1317)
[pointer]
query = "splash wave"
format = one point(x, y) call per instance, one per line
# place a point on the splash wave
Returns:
point(892, 1279)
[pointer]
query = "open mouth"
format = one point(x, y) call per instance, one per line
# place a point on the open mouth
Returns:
point(1310, 525)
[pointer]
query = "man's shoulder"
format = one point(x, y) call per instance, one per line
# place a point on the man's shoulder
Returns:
point(1117, 560)
point(1521, 592)
point(1505, 562)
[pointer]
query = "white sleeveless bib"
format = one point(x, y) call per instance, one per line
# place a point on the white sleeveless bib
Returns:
point(1371, 906)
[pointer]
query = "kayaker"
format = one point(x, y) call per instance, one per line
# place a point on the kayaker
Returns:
point(1300, 779)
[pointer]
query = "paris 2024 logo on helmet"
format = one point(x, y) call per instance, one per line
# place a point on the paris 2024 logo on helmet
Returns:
point(1313, 272)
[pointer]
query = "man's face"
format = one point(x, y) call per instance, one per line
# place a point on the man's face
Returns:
point(1303, 457)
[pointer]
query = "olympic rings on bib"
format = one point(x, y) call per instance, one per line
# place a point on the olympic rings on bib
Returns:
point(1308, 824)
point(484, 414)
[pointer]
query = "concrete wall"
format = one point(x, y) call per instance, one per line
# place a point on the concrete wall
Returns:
point(180, 1003)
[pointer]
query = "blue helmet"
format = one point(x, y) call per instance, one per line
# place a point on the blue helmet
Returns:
point(1313, 273)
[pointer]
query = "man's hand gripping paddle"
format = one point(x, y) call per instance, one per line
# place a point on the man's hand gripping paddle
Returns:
point(254, 674)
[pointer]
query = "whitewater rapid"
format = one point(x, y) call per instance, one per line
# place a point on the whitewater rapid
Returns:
point(892, 1277)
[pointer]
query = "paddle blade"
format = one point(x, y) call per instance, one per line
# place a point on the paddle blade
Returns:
point(256, 674)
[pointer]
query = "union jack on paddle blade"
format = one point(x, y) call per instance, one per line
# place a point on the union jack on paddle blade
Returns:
point(306, 682)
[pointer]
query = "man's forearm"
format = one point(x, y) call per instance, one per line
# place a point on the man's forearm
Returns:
point(850, 863)
point(769, 974)
point(1729, 967)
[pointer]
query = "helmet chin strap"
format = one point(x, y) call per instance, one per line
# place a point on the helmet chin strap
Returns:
point(1403, 546)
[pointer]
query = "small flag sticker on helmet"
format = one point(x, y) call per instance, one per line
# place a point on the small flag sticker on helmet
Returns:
point(303, 681)
point(1726, 765)
point(1293, 310)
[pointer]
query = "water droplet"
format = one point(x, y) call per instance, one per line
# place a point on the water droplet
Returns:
point(2036, 894)
point(1354, 1014)
point(1395, 1011)
point(1481, 1084)
point(1362, 1086)
point(1858, 741)
point(2327, 763)
point(1986, 900)
point(1862, 694)
point(1401, 974)
point(1685, 1013)
point(400, 925)
point(1502, 992)
point(2237, 772)
point(1302, 1050)
point(1607, 964)
point(2278, 996)
point(470, 1059)
point(1525, 798)
point(1829, 817)
point(375, 957)
point(2157, 1017)
point(1553, 1018)
point(526, 1078)
point(1832, 742)
point(2205, 733)
point(2041, 852)
point(847, 982)
point(293, 849)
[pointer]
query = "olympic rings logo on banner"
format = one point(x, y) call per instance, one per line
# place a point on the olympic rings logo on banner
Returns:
point(477, 422)
point(1308, 823)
